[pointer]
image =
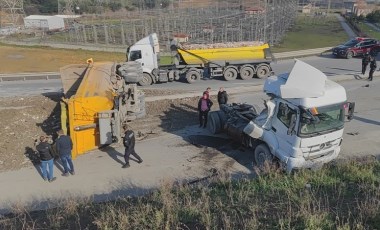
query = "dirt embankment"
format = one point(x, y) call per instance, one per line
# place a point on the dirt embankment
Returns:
point(24, 119)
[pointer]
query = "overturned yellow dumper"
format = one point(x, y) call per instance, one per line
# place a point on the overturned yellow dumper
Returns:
point(96, 103)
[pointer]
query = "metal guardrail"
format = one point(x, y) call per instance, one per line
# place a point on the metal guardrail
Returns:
point(30, 76)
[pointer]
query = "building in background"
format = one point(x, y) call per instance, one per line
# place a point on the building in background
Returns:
point(44, 22)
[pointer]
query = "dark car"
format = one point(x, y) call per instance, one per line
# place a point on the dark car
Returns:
point(357, 47)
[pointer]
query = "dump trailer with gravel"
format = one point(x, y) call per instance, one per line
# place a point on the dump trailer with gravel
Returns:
point(192, 62)
point(98, 99)
point(301, 125)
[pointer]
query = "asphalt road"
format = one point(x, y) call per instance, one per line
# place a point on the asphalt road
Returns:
point(329, 65)
point(174, 157)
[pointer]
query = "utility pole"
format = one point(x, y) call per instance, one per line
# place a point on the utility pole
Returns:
point(328, 7)
point(265, 20)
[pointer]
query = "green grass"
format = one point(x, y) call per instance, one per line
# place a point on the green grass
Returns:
point(312, 32)
point(368, 30)
point(341, 196)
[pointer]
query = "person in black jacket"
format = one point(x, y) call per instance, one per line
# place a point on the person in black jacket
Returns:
point(129, 144)
point(64, 145)
point(222, 97)
point(372, 68)
point(46, 157)
point(365, 61)
point(204, 106)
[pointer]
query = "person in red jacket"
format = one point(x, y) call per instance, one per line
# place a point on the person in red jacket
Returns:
point(204, 106)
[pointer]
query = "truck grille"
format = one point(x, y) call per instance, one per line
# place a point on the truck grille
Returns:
point(320, 150)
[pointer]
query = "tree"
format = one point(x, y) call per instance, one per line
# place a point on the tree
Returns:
point(374, 16)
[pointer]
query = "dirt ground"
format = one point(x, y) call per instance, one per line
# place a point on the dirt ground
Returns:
point(15, 59)
point(24, 119)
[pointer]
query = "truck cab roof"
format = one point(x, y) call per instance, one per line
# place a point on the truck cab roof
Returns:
point(305, 86)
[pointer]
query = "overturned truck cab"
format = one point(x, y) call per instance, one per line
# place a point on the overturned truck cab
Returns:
point(302, 123)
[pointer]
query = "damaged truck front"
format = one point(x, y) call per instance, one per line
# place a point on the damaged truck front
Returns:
point(98, 101)
point(301, 125)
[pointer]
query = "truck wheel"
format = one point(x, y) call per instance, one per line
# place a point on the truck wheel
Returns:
point(263, 71)
point(147, 80)
point(349, 54)
point(193, 76)
point(247, 72)
point(222, 118)
point(214, 124)
point(230, 74)
point(263, 157)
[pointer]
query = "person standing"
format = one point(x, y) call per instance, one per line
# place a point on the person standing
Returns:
point(46, 157)
point(222, 97)
point(365, 61)
point(129, 144)
point(64, 145)
point(204, 106)
point(372, 68)
point(208, 90)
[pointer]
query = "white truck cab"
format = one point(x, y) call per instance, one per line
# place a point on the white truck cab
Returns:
point(146, 51)
point(303, 122)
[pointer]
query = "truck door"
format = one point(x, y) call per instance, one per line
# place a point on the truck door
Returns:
point(145, 56)
point(280, 126)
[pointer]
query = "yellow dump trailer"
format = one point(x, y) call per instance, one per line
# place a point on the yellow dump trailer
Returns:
point(89, 94)
point(233, 54)
point(192, 62)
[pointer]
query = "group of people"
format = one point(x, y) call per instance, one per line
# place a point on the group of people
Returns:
point(48, 153)
point(62, 148)
point(371, 60)
point(205, 104)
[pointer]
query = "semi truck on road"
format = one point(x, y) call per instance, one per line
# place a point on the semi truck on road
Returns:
point(191, 65)
point(301, 125)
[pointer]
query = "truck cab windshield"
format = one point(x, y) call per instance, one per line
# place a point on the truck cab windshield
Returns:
point(327, 119)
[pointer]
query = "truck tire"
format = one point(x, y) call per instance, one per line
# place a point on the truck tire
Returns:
point(214, 125)
point(230, 74)
point(222, 119)
point(263, 71)
point(247, 72)
point(192, 76)
point(263, 156)
point(146, 80)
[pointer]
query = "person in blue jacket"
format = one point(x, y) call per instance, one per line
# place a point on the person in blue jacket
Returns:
point(64, 145)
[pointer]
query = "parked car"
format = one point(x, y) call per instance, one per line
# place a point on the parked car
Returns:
point(357, 47)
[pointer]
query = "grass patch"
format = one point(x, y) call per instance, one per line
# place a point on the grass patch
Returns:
point(312, 32)
point(15, 59)
point(366, 29)
point(343, 196)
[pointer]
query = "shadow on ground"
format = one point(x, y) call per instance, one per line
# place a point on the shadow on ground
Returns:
point(184, 123)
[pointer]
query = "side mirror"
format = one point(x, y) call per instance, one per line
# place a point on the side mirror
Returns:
point(292, 125)
point(351, 110)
